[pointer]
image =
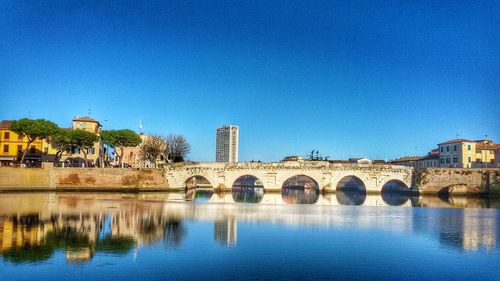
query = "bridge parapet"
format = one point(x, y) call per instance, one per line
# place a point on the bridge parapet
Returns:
point(273, 175)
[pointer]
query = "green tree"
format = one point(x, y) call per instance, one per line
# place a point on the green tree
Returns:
point(83, 140)
point(33, 129)
point(118, 139)
point(60, 141)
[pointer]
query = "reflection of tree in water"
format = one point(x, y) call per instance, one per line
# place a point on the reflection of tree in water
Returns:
point(174, 233)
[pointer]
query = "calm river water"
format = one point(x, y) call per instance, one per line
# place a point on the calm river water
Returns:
point(246, 235)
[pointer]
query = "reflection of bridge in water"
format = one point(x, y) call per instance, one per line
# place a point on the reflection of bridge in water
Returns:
point(297, 196)
point(88, 223)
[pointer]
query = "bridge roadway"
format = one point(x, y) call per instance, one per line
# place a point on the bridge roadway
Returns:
point(327, 175)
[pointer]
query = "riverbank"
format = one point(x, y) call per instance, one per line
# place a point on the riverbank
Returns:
point(78, 179)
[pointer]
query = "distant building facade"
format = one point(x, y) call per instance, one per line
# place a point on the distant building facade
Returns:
point(96, 154)
point(226, 149)
point(360, 161)
point(12, 145)
point(133, 156)
point(459, 153)
point(429, 161)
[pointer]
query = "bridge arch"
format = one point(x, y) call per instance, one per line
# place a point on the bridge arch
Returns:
point(395, 192)
point(197, 181)
point(350, 190)
point(247, 181)
point(300, 181)
point(350, 183)
point(300, 189)
point(394, 185)
point(247, 189)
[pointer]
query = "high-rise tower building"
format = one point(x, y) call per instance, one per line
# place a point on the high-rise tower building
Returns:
point(226, 149)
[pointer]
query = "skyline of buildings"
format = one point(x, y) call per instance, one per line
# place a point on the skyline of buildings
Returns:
point(226, 149)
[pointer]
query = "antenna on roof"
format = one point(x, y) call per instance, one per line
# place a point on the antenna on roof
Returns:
point(90, 112)
point(457, 135)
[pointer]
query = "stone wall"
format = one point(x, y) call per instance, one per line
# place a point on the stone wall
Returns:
point(457, 181)
point(19, 178)
point(82, 179)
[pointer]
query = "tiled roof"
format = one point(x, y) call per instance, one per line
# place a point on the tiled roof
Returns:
point(456, 141)
point(405, 159)
point(5, 124)
point(85, 119)
point(430, 156)
point(487, 146)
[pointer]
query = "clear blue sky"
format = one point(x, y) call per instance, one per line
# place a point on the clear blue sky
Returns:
point(350, 78)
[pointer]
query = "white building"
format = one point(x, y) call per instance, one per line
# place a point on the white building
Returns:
point(227, 144)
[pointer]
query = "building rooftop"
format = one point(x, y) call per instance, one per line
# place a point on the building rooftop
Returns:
point(430, 156)
point(85, 119)
point(455, 141)
point(406, 159)
point(487, 146)
point(5, 124)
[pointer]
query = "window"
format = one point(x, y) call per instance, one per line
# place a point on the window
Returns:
point(441, 160)
point(455, 147)
point(455, 159)
point(478, 151)
point(468, 147)
point(442, 149)
point(32, 149)
point(447, 148)
point(447, 159)
point(19, 137)
point(6, 135)
point(469, 159)
point(5, 148)
point(491, 152)
point(46, 150)
point(19, 148)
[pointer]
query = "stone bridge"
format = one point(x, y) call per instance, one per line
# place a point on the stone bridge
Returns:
point(327, 176)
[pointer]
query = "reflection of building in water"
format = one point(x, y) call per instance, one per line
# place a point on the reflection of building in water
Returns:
point(478, 232)
point(21, 231)
point(226, 232)
point(469, 229)
point(79, 255)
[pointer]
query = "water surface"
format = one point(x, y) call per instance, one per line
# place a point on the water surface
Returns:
point(247, 234)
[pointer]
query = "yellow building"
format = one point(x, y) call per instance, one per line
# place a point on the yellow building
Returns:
point(12, 145)
point(463, 153)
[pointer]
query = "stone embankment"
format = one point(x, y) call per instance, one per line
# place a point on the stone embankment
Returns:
point(95, 179)
point(455, 181)
point(426, 181)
